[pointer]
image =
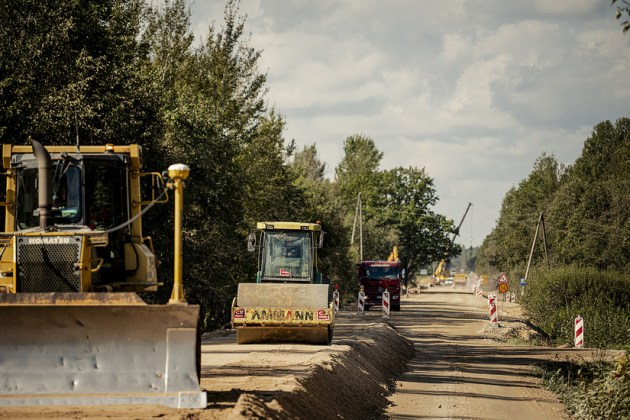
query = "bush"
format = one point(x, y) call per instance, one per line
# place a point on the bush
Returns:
point(556, 296)
point(593, 390)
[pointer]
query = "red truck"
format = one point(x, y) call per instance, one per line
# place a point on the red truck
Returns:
point(377, 276)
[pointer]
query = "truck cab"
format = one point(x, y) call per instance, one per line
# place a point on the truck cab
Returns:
point(378, 276)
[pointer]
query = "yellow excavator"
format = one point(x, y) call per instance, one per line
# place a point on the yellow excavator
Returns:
point(393, 256)
point(440, 273)
point(290, 301)
point(73, 258)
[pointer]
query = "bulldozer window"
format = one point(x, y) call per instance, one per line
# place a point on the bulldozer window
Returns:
point(105, 191)
point(67, 195)
point(27, 199)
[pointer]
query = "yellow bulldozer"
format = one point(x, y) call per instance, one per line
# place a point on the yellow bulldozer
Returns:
point(73, 258)
point(290, 300)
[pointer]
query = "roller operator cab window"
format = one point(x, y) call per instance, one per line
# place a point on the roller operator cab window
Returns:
point(287, 255)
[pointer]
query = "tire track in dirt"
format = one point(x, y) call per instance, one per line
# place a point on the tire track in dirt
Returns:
point(458, 373)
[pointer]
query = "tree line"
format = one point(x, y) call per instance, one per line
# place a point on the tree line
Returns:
point(125, 71)
point(584, 205)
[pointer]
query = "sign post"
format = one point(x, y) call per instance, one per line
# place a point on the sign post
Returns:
point(504, 286)
point(385, 304)
point(336, 298)
point(361, 302)
point(579, 331)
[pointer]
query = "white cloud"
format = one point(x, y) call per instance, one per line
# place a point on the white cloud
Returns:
point(578, 7)
point(472, 91)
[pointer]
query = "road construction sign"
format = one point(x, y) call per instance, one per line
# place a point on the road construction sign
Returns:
point(503, 279)
point(503, 287)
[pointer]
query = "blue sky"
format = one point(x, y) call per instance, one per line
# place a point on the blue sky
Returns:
point(473, 91)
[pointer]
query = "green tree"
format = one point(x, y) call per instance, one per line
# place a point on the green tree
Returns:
point(308, 166)
point(321, 203)
point(269, 192)
point(358, 171)
point(71, 68)
point(215, 120)
point(589, 216)
point(508, 245)
point(623, 13)
point(422, 235)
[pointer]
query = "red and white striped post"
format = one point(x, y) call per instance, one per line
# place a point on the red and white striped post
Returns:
point(513, 297)
point(336, 298)
point(385, 304)
point(492, 303)
point(579, 331)
point(361, 302)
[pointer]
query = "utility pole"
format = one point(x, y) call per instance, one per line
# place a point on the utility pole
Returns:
point(541, 222)
point(358, 212)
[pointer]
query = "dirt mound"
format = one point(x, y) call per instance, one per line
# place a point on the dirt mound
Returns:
point(352, 379)
point(513, 326)
point(509, 331)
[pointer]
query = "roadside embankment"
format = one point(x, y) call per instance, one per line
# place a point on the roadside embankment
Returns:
point(350, 379)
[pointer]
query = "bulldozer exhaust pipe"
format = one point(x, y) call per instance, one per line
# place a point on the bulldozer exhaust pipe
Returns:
point(44, 176)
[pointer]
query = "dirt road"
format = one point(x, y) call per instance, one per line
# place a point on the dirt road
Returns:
point(460, 371)
point(456, 372)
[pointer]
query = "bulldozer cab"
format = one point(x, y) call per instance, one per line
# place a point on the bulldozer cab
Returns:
point(72, 260)
point(88, 192)
point(83, 206)
point(288, 252)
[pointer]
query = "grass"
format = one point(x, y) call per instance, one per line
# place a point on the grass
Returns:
point(591, 390)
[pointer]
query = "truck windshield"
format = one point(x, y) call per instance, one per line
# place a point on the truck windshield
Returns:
point(380, 272)
point(287, 255)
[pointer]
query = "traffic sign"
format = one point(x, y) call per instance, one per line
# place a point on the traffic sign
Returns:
point(503, 288)
point(503, 279)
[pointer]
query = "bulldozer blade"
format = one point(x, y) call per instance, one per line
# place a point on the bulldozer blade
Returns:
point(90, 349)
point(307, 335)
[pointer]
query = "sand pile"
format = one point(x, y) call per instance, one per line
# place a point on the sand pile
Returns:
point(352, 379)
